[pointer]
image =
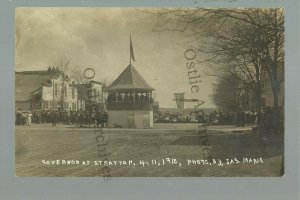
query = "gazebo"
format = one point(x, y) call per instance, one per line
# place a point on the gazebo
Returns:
point(129, 101)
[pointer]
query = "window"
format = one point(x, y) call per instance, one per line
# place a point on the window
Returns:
point(73, 93)
point(73, 106)
point(46, 105)
point(55, 89)
point(65, 91)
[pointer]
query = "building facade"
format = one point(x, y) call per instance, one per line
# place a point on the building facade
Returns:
point(90, 94)
point(44, 90)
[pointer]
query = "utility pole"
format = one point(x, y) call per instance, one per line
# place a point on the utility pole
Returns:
point(53, 89)
point(62, 85)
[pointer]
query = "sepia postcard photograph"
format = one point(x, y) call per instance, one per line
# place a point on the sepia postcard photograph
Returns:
point(149, 92)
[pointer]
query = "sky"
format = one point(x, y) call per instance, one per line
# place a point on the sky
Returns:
point(99, 38)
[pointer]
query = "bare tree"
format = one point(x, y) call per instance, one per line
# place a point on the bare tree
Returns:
point(227, 92)
point(63, 69)
point(77, 75)
point(244, 42)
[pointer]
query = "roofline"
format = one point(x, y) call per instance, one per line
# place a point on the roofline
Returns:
point(132, 69)
point(97, 82)
point(128, 89)
point(30, 72)
point(79, 84)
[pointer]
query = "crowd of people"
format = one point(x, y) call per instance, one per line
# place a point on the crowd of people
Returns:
point(80, 118)
point(217, 117)
point(239, 118)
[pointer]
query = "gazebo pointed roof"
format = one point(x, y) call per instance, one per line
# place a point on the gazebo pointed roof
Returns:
point(129, 79)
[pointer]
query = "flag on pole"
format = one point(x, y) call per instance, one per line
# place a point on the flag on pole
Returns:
point(131, 51)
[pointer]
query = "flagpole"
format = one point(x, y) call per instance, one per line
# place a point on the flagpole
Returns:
point(130, 50)
point(131, 54)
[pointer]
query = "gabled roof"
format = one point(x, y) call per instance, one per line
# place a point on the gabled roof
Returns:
point(129, 79)
point(28, 83)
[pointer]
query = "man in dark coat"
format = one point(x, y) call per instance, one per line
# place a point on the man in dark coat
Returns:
point(54, 116)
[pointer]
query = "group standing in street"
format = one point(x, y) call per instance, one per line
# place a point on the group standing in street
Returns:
point(79, 118)
point(23, 118)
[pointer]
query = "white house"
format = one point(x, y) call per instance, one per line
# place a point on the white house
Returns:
point(44, 90)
